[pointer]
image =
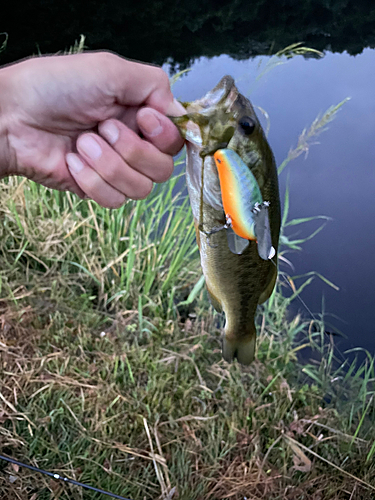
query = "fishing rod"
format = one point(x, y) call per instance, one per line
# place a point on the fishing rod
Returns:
point(62, 478)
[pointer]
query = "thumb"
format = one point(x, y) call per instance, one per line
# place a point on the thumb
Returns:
point(138, 84)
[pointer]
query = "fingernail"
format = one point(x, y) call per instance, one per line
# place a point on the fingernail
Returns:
point(175, 109)
point(74, 163)
point(90, 146)
point(151, 124)
point(110, 132)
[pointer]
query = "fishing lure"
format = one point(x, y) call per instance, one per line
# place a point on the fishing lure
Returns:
point(245, 211)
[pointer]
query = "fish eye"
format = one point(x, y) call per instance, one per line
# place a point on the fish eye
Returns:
point(247, 124)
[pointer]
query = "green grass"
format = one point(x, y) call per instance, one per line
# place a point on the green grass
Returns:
point(137, 251)
point(111, 370)
point(111, 374)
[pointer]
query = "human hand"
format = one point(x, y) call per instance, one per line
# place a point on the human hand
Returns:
point(72, 123)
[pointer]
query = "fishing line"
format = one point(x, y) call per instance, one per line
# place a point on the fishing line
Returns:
point(62, 478)
point(307, 308)
point(201, 197)
point(298, 297)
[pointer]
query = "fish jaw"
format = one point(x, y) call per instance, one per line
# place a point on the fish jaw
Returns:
point(213, 115)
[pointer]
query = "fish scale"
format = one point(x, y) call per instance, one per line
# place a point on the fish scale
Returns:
point(236, 283)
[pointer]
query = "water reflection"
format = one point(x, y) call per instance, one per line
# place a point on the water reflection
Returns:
point(336, 179)
point(182, 31)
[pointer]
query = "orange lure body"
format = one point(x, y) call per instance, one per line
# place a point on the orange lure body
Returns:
point(240, 192)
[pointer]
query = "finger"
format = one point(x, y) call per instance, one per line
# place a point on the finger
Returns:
point(136, 83)
point(128, 116)
point(159, 130)
point(139, 155)
point(92, 184)
point(113, 168)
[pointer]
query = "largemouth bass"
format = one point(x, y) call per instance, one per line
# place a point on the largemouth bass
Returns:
point(237, 277)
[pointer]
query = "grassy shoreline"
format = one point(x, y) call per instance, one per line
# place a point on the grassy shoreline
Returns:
point(111, 369)
point(111, 375)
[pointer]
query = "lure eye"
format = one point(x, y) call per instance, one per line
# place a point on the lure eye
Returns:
point(247, 124)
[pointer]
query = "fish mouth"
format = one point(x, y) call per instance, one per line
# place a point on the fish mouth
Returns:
point(219, 94)
point(211, 150)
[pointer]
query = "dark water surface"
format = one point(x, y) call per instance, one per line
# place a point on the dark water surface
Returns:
point(337, 179)
point(181, 31)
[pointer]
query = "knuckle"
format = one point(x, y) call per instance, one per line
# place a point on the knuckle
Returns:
point(99, 191)
point(113, 172)
point(106, 57)
point(132, 152)
point(163, 77)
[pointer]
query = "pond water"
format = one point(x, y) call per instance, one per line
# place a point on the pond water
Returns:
point(336, 179)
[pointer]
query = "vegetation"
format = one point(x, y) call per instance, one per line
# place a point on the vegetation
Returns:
point(111, 370)
point(112, 374)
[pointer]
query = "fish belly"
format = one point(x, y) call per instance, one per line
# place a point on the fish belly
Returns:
point(235, 284)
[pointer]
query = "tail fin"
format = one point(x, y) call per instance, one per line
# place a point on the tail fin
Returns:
point(242, 349)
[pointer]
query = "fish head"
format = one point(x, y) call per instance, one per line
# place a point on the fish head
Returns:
point(222, 118)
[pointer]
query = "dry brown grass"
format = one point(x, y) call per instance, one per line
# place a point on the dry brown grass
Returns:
point(106, 377)
point(215, 440)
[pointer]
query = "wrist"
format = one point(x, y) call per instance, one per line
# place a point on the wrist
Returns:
point(6, 160)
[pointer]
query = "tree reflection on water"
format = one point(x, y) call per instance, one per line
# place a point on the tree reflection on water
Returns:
point(179, 32)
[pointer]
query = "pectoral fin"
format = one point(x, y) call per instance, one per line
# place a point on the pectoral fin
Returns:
point(236, 244)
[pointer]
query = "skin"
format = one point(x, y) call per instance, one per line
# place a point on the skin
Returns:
point(94, 124)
